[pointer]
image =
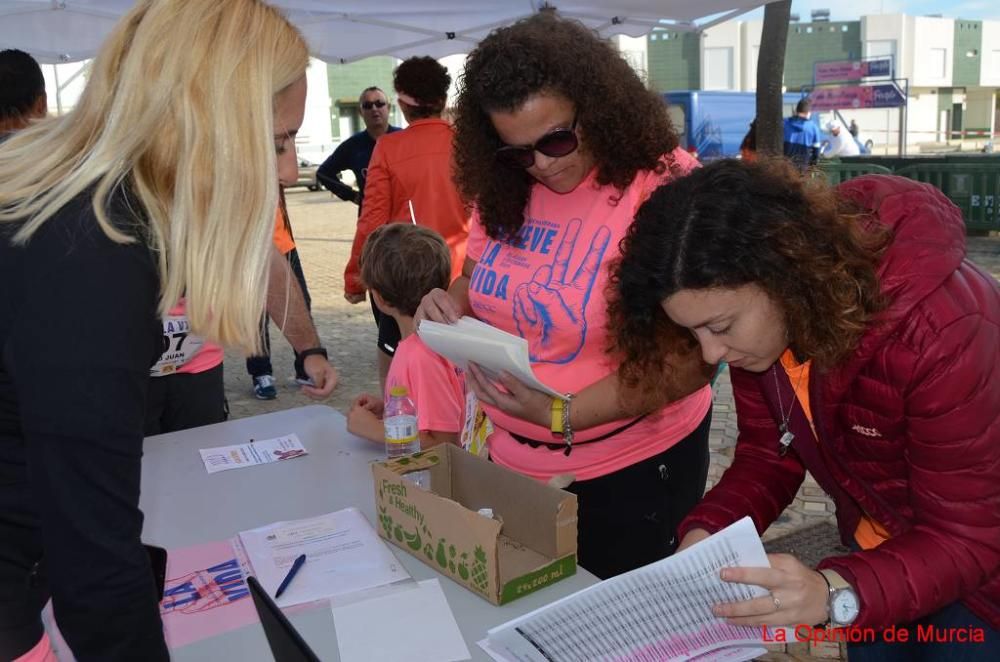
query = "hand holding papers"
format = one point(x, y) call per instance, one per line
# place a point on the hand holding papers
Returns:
point(660, 611)
point(344, 553)
point(493, 350)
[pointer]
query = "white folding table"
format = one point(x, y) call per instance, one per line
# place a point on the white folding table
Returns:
point(185, 506)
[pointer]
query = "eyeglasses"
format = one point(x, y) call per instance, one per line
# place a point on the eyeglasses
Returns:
point(555, 143)
point(368, 105)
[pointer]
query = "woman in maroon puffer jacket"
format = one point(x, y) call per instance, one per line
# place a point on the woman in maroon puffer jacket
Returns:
point(863, 348)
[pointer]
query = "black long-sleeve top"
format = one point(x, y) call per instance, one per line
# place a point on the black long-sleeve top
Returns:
point(353, 154)
point(78, 333)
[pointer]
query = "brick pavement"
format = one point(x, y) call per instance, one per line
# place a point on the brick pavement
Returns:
point(324, 229)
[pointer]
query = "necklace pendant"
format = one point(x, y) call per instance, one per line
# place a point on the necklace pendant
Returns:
point(785, 441)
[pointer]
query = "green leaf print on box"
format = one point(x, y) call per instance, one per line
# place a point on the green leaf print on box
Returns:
point(444, 555)
point(479, 578)
point(441, 557)
point(393, 530)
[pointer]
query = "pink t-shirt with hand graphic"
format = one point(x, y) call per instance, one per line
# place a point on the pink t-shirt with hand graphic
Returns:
point(548, 286)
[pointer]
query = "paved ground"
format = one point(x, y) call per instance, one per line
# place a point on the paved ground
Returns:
point(324, 228)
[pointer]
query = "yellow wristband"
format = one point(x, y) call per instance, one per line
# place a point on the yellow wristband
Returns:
point(557, 416)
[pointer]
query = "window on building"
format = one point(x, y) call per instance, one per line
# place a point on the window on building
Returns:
point(880, 48)
point(719, 68)
point(937, 59)
point(843, 28)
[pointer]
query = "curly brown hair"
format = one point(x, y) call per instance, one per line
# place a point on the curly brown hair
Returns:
point(734, 223)
point(624, 125)
point(426, 80)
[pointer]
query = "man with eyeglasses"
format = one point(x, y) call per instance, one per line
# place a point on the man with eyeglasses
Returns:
point(354, 153)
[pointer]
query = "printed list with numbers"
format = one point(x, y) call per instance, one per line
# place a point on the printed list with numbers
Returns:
point(661, 611)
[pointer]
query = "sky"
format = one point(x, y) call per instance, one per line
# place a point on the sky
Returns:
point(845, 10)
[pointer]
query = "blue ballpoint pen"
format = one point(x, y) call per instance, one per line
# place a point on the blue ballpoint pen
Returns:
point(291, 574)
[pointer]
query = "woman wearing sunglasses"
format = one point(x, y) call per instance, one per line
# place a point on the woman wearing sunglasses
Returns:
point(558, 142)
point(161, 182)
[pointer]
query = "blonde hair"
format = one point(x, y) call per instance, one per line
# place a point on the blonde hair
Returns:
point(179, 109)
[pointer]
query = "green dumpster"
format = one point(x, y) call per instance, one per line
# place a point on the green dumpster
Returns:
point(840, 171)
point(974, 188)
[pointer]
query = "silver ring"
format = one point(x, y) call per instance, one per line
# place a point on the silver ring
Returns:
point(777, 602)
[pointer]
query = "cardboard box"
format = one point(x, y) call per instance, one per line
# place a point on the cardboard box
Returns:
point(530, 542)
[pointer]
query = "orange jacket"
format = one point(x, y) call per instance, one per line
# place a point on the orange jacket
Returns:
point(283, 229)
point(413, 165)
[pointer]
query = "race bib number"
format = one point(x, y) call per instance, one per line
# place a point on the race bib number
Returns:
point(477, 427)
point(179, 346)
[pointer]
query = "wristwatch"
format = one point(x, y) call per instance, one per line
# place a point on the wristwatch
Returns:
point(842, 603)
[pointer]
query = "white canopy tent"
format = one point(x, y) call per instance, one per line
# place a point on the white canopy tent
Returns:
point(348, 30)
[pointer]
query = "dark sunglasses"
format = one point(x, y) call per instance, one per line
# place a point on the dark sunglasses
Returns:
point(368, 105)
point(555, 143)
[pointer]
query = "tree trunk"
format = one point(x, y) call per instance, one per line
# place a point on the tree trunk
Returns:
point(770, 75)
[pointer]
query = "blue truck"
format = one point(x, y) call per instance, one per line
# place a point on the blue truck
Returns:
point(712, 125)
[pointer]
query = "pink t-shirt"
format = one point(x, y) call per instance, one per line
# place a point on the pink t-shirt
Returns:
point(183, 351)
point(436, 387)
point(548, 287)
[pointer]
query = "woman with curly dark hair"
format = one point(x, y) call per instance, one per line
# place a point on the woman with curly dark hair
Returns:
point(863, 349)
point(557, 143)
point(410, 172)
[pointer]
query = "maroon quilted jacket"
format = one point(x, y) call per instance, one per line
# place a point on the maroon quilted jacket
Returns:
point(909, 426)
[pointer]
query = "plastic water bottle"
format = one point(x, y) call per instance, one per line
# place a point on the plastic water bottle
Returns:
point(402, 435)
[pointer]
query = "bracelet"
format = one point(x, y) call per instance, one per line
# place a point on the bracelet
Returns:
point(567, 428)
point(300, 357)
point(558, 407)
point(314, 351)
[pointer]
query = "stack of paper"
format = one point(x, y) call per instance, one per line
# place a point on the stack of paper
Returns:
point(343, 555)
point(422, 627)
point(491, 349)
point(658, 612)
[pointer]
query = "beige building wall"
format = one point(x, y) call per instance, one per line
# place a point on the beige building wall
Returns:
point(750, 33)
point(933, 51)
point(721, 58)
point(989, 73)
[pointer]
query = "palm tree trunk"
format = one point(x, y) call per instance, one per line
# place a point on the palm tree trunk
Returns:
point(770, 75)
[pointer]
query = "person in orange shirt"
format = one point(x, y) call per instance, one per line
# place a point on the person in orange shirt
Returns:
point(259, 367)
point(411, 170)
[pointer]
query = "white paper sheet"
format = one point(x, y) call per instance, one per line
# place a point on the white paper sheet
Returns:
point(730, 654)
point(491, 349)
point(660, 611)
point(343, 554)
point(263, 451)
point(413, 624)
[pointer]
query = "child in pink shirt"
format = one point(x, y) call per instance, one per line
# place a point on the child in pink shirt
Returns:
point(400, 263)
